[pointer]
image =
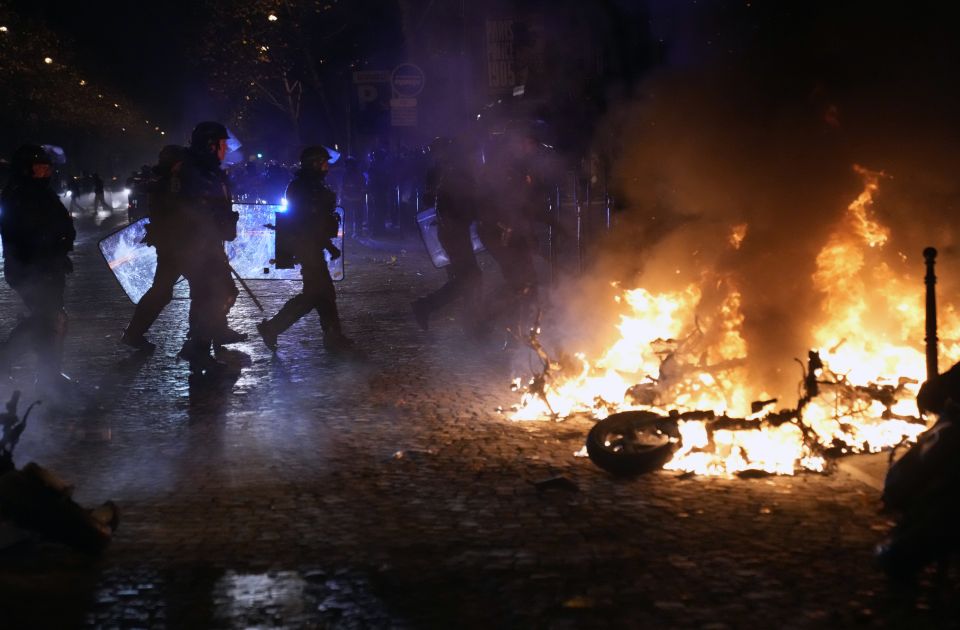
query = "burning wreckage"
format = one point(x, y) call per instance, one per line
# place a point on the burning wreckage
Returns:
point(654, 436)
point(670, 392)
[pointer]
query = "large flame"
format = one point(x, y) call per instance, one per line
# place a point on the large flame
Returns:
point(676, 353)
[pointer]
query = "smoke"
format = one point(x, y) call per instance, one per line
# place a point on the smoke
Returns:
point(756, 118)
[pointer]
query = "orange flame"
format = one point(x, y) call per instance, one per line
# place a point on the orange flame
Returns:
point(672, 355)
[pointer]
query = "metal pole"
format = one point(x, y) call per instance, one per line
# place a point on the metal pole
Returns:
point(553, 206)
point(930, 256)
point(607, 202)
point(579, 208)
point(246, 288)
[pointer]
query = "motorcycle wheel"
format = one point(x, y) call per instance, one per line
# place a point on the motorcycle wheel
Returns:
point(630, 443)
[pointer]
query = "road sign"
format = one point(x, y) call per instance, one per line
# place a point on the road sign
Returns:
point(407, 80)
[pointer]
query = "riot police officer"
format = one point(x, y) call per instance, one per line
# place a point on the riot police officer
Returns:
point(163, 233)
point(452, 186)
point(38, 234)
point(507, 223)
point(352, 190)
point(313, 223)
point(208, 220)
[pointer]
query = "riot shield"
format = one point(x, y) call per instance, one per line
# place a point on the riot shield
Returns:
point(251, 254)
point(132, 262)
point(427, 222)
point(281, 254)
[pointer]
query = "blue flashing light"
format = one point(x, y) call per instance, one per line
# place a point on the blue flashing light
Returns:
point(259, 156)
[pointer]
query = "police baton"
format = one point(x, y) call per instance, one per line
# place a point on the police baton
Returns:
point(246, 288)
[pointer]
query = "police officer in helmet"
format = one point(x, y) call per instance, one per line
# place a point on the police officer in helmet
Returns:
point(313, 224)
point(208, 220)
point(38, 234)
point(163, 233)
point(453, 190)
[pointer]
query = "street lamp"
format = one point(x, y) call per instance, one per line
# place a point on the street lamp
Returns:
point(271, 17)
point(3, 29)
point(47, 60)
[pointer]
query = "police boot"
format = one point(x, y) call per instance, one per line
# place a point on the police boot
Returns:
point(136, 340)
point(228, 336)
point(268, 334)
point(133, 334)
point(197, 353)
point(334, 341)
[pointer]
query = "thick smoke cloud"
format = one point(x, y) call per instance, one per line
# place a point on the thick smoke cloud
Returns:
point(757, 117)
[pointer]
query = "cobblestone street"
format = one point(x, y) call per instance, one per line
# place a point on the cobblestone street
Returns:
point(387, 491)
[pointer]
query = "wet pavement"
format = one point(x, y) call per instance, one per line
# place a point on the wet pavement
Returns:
point(386, 492)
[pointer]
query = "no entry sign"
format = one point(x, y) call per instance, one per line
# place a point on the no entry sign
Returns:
point(407, 80)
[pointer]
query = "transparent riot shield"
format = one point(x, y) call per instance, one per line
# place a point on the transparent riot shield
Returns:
point(251, 254)
point(427, 222)
point(336, 266)
point(132, 262)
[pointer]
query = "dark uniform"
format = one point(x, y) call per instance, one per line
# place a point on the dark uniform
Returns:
point(455, 205)
point(37, 233)
point(313, 222)
point(208, 220)
point(507, 226)
point(163, 233)
point(381, 192)
point(99, 201)
point(352, 191)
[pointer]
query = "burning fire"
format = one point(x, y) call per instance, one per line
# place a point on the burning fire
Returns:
point(677, 353)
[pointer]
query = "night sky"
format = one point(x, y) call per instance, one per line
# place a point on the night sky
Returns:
point(138, 48)
point(875, 63)
point(141, 48)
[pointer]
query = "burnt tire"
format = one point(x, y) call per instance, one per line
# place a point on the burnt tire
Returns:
point(631, 443)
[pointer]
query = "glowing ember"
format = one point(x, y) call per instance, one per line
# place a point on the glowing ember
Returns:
point(676, 352)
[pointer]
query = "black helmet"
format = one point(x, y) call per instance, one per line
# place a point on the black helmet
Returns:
point(169, 156)
point(315, 153)
point(26, 156)
point(207, 133)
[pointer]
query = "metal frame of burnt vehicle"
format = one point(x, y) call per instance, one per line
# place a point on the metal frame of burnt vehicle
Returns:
point(629, 443)
point(635, 442)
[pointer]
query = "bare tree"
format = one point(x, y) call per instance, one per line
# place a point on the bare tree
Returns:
point(293, 59)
